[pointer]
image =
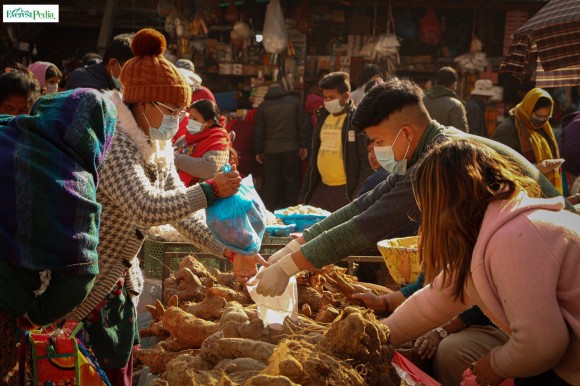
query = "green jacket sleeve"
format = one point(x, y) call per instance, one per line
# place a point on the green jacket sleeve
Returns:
point(339, 217)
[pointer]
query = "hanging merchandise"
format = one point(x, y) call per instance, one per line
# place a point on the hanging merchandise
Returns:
point(406, 26)
point(170, 27)
point(275, 35)
point(240, 31)
point(475, 60)
point(232, 14)
point(210, 11)
point(197, 26)
point(386, 46)
point(304, 17)
point(430, 28)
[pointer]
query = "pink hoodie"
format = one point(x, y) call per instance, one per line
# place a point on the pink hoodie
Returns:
point(39, 70)
point(525, 275)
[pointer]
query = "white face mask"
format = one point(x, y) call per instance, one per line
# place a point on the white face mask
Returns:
point(333, 106)
point(116, 80)
point(51, 88)
point(167, 129)
point(386, 158)
point(194, 127)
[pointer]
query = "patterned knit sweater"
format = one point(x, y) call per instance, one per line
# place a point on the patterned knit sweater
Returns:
point(139, 188)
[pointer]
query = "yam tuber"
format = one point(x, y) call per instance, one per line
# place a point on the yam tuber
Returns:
point(157, 358)
point(230, 294)
point(188, 329)
point(211, 308)
point(230, 348)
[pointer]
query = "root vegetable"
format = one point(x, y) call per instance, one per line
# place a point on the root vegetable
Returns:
point(327, 315)
point(310, 296)
point(194, 265)
point(157, 358)
point(187, 328)
point(211, 308)
point(306, 310)
point(239, 364)
point(181, 372)
point(306, 364)
point(234, 312)
point(269, 380)
point(208, 348)
point(230, 294)
point(230, 348)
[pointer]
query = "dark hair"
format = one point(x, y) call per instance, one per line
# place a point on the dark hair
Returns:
point(367, 73)
point(453, 185)
point(208, 110)
point(384, 99)
point(322, 72)
point(120, 49)
point(52, 71)
point(446, 76)
point(542, 102)
point(19, 81)
point(370, 84)
point(91, 57)
point(338, 80)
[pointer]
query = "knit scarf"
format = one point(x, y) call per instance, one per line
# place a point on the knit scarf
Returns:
point(196, 145)
point(534, 145)
point(49, 214)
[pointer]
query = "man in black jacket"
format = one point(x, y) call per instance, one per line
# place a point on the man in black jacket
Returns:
point(104, 75)
point(280, 140)
point(339, 164)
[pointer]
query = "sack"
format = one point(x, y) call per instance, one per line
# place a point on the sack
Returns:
point(63, 360)
point(274, 33)
point(430, 28)
point(239, 221)
point(410, 373)
point(469, 379)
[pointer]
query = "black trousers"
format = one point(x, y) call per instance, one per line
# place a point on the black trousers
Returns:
point(281, 179)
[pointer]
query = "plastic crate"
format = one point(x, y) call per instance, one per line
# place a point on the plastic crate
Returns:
point(160, 258)
point(271, 244)
point(154, 254)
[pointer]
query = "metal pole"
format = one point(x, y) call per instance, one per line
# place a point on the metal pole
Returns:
point(106, 32)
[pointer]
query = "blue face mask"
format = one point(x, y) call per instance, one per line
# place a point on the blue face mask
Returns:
point(165, 131)
point(386, 158)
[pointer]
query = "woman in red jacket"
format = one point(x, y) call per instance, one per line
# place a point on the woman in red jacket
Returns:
point(205, 146)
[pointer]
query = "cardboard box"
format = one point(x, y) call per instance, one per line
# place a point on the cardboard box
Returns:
point(237, 69)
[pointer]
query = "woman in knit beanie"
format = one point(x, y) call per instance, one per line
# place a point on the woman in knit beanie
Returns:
point(140, 188)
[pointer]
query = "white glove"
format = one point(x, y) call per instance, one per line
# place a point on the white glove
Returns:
point(288, 249)
point(272, 281)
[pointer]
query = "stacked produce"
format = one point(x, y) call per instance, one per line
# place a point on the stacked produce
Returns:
point(210, 334)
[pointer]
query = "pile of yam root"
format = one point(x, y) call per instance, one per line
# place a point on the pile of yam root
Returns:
point(210, 334)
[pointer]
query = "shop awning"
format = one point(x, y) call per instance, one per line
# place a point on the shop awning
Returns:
point(554, 31)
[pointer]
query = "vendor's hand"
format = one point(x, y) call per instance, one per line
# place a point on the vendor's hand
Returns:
point(260, 158)
point(302, 153)
point(484, 375)
point(372, 301)
point(427, 344)
point(273, 280)
point(245, 266)
point(548, 165)
point(288, 249)
point(228, 183)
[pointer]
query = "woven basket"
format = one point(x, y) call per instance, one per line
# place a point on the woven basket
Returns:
point(402, 258)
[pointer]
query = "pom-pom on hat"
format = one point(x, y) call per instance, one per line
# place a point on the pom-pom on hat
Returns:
point(149, 77)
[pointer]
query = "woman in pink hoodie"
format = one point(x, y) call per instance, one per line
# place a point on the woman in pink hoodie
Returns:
point(488, 239)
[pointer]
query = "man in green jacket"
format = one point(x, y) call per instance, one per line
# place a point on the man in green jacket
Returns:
point(443, 104)
point(394, 118)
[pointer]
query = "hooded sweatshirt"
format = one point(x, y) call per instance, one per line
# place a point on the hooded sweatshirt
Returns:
point(524, 275)
point(445, 107)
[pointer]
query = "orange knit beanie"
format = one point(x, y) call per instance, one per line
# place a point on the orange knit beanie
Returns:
point(149, 77)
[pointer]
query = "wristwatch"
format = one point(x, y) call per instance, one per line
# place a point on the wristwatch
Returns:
point(442, 332)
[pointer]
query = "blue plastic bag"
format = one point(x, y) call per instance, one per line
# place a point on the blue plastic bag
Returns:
point(239, 221)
